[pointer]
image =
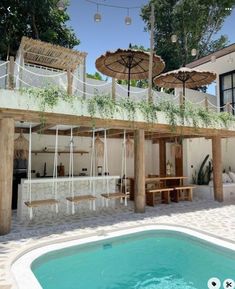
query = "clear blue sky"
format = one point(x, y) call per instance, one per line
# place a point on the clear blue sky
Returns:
point(112, 33)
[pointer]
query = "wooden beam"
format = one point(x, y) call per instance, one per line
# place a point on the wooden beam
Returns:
point(113, 88)
point(162, 157)
point(41, 127)
point(78, 130)
point(24, 130)
point(66, 119)
point(84, 77)
point(69, 82)
point(217, 168)
point(10, 77)
point(139, 171)
point(7, 127)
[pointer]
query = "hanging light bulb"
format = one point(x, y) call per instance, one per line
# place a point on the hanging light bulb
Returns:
point(97, 16)
point(194, 52)
point(213, 58)
point(61, 5)
point(128, 19)
point(174, 38)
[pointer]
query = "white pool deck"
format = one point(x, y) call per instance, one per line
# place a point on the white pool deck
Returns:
point(208, 217)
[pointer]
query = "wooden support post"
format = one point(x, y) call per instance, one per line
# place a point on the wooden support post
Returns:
point(84, 77)
point(228, 108)
point(7, 127)
point(10, 79)
point(217, 168)
point(113, 88)
point(69, 82)
point(181, 99)
point(150, 79)
point(206, 103)
point(139, 169)
point(179, 163)
point(162, 157)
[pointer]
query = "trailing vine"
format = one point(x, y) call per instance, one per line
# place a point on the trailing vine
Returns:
point(172, 112)
point(129, 107)
point(148, 110)
point(49, 97)
point(106, 107)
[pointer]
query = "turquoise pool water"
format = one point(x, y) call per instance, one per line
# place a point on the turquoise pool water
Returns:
point(149, 260)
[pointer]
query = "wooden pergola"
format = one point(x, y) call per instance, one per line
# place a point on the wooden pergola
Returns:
point(49, 55)
point(37, 52)
point(160, 133)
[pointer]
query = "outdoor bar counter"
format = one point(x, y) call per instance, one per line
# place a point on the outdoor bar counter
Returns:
point(42, 188)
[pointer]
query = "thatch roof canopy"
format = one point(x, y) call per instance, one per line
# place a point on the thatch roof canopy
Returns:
point(49, 55)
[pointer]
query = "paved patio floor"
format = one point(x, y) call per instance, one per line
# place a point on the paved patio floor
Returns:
point(217, 219)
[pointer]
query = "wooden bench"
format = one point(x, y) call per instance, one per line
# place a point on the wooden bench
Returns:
point(164, 195)
point(78, 199)
point(112, 196)
point(185, 192)
point(40, 203)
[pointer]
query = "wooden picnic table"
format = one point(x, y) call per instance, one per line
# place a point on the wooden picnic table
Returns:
point(165, 181)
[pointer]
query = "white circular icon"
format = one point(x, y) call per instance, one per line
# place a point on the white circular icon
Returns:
point(229, 284)
point(214, 283)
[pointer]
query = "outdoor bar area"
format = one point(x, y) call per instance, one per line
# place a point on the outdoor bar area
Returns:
point(63, 160)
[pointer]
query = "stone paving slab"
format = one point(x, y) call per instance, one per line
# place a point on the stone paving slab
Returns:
point(217, 219)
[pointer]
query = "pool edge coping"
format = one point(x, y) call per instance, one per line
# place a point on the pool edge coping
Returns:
point(45, 246)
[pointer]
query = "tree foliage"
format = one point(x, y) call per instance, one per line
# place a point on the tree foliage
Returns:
point(96, 76)
point(194, 22)
point(39, 19)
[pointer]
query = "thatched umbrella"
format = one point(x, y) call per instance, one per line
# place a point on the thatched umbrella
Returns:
point(185, 77)
point(127, 64)
point(21, 147)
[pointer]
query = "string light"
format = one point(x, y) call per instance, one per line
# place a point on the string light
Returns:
point(128, 18)
point(61, 5)
point(194, 52)
point(174, 39)
point(98, 17)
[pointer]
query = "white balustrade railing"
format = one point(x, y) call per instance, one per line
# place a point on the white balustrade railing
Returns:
point(26, 76)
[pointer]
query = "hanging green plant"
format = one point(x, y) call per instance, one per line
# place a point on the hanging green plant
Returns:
point(49, 96)
point(207, 118)
point(226, 118)
point(172, 112)
point(149, 110)
point(129, 107)
point(191, 114)
point(104, 105)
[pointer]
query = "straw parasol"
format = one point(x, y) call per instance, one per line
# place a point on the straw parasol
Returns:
point(127, 64)
point(185, 77)
point(21, 147)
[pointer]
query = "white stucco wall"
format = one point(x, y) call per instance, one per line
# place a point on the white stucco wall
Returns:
point(196, 149)
point(39, 142)
point(220, 66)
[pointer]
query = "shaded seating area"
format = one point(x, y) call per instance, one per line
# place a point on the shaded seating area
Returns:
point(164, 189)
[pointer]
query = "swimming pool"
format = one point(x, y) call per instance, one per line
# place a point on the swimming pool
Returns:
point(152, 259)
